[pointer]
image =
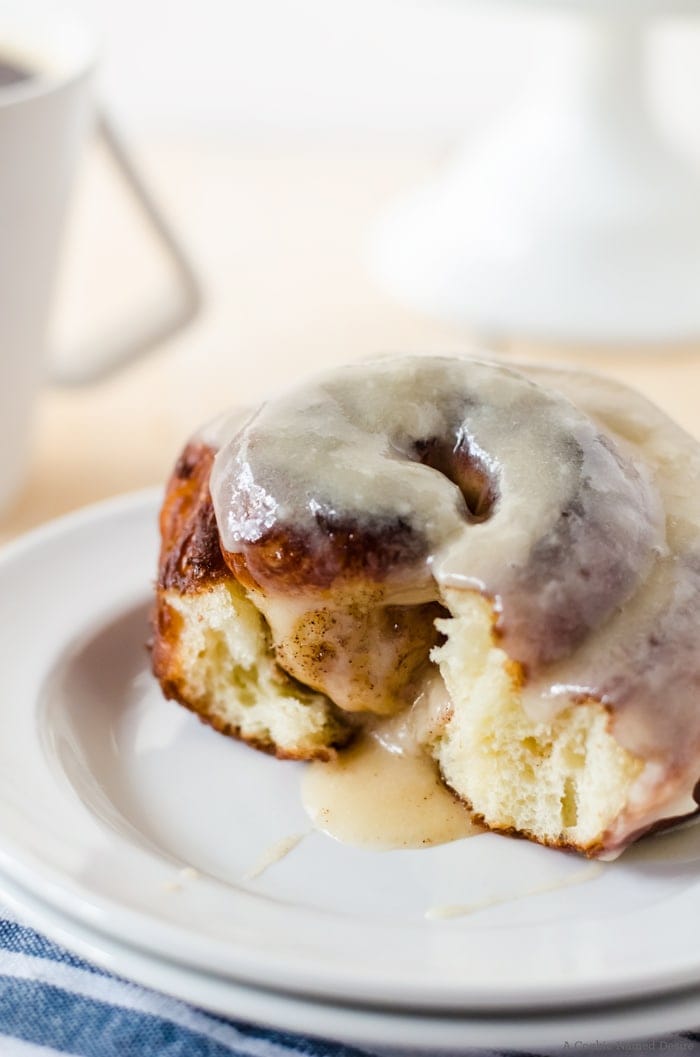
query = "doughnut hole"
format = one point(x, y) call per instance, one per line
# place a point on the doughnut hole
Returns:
point(453, 460)
point(562, 782)
point(213, 654)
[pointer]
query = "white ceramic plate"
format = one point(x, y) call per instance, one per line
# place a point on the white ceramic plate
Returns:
point(107, 792)
point(397, 1032)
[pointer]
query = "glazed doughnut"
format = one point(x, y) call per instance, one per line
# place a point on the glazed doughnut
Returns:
point(503, 565)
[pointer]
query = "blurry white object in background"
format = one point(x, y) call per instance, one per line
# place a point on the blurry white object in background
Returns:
point(372, 72)
point(44, 113)
point(279, 71)
point(573, 220)
point(47, 63)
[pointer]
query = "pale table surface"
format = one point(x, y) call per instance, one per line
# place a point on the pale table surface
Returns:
point(279, 238)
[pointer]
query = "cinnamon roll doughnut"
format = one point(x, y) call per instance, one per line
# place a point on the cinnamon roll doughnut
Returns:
point(502, 565)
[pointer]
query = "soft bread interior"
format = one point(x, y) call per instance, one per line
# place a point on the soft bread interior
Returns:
point(562, 782)
point(225, 669)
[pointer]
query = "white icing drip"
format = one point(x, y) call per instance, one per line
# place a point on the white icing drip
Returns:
point(451, 910)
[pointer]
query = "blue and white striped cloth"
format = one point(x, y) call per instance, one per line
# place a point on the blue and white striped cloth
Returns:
point(54, 1002)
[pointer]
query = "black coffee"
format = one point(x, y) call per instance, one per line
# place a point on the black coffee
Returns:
point(13, 73)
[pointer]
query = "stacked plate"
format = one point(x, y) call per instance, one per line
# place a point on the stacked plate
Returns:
point(151, 845)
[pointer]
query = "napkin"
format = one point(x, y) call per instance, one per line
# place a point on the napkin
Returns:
point(52, 1002)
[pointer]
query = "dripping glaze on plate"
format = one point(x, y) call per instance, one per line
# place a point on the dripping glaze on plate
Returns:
point(374, 797)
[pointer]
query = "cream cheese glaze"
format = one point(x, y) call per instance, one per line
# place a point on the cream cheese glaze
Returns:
point(569, 501)
point(644, 662)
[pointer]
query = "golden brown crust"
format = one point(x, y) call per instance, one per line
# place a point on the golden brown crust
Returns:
point(191, 562)
point(166, 625)
point(190, 554)
point(592, 851)
point(288, 561)
point(190, 558)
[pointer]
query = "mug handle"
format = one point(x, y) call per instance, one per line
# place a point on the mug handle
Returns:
point(166, 319)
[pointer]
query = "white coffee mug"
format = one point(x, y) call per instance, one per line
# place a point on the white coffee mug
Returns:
point(47, 61)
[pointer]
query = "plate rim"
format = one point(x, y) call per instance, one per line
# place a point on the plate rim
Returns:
point(415, 1033)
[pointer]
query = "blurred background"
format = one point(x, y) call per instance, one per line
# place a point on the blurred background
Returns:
point(371, 72)
point(274, 135)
